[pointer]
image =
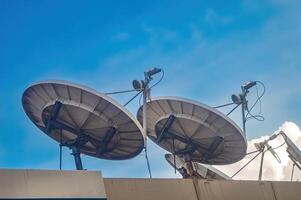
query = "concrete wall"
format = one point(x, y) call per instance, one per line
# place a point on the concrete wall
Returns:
point(88, 184)
point(27, 184)
point(183, 189)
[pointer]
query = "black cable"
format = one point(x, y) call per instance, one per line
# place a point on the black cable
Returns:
point(120, 92)
point(145, 149)
point(246, 164)
point(133, 90)
point(278, 146)
point(252, 152)
point(161, 78)
point(258, 97)
point(259, 151)
point(258, 116)
point(260, 103)
point(147, 162)
point(232, 109)
point(133, 98)
point(140, 100)
point(224, 105)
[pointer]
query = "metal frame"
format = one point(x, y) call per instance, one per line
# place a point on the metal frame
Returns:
point(82, 137)
point(191, 145)
point(166, 127)
point(107, 139)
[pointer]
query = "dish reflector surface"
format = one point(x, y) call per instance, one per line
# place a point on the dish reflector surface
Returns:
point(186, 127)
point(109, 130)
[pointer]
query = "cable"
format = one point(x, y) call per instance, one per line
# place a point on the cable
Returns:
point(258, 116)
point(224, 105)
point(232, 109)
point(147, 162)
point(259, 150)
point(258, 97)
point(246, 164)
point(120, 92)
point(278, 146)
point(140, 100)
point(145, 149)
point(161, 78)
point(133, 97)
point(260, 103)
point(252, 152)
point(254, 158)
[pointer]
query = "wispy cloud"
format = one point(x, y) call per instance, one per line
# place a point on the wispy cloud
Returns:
point(272, 170)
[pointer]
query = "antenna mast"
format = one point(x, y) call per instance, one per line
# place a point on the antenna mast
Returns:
point(143, 85)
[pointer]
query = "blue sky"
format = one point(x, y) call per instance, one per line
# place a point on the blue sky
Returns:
point(207, 49)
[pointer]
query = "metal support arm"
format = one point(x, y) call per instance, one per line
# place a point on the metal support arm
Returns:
point(166, 127)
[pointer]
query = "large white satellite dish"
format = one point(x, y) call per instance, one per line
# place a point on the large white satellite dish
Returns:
point(201, 133)
point(203, 171)
point(83, 119)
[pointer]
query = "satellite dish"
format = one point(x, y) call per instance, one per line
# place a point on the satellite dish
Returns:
point(203, 171)
point(83, 119)
point(194, 130)
point(293, 151)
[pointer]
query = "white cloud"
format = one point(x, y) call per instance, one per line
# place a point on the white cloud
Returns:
point(272, 170)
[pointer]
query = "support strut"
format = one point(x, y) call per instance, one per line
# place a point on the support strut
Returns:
point(166, 127)
point(212, 148)
point(53, 115)
point(107, 139)
point(77, 158)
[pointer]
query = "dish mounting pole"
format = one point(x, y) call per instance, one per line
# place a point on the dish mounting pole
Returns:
point(143, 85)
point(244, 105)
point(241, 99)
point(146, 95)
point(77, 158)
point(261, 163)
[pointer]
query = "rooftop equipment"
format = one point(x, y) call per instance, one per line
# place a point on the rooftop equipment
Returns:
point(84, 120)
point(202, 170)
point(193, 131)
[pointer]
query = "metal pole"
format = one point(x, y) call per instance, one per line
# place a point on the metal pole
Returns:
point(77, 159)
point(243, 108)
point(293, 168)
point(192, 175)
point(243, 117)
point(61, 148)
point(145, 94)
point(261, 164)
point(196, 187)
